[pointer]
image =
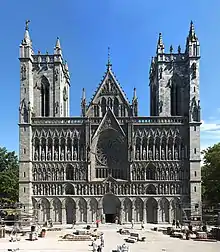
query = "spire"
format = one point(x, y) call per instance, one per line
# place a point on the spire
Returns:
point(57, 48)
point(27, 39)
point(160, 44)
point(83, 94)
point(134, 95)
point(109, 65)
point(192, 35)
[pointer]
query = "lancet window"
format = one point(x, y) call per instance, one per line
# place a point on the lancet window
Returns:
point(116, 106)
point(45, 97)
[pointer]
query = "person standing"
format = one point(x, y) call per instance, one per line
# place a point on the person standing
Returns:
point(132, 223)
point(102, 240)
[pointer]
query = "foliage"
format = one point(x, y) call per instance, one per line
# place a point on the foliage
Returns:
point(211, 174)
point(9, 176)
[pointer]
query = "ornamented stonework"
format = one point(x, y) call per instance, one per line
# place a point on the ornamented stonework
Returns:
point(110, 163)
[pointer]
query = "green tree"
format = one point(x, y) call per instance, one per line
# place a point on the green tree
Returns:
point(211, 174)
point(9, 175)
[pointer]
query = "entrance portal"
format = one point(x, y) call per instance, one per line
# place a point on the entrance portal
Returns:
point(111, 208)
point(110, 218)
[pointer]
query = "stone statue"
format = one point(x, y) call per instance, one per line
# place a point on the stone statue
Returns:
point(157, 154)
point(75, 154)
point(137, 154)
point(49, 155)
point(163, 154)
point(56, 155)
point(36, 156)
point(182, 153)
point(169, 154)
point(23, 72)
point(43, 155)
point(150, 154)
point(144, 154)
point(62, 154)
point(176, 154)
point(68, 154)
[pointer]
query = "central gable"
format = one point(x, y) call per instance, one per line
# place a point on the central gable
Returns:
point(109, 94)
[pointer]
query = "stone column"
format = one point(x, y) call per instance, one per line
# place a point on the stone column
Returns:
point(170, 214)
point(39, 158)
point(144, 214)
point(65, 151)
point(159, 219)
point(59, 150)
point(52, 151)
point(133, 212)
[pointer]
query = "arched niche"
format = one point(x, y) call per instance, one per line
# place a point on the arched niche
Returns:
point(111, 207)
point(151, 207)
point(70, 206)
point(151, 189)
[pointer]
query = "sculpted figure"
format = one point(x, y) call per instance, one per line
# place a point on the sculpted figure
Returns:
point(137, 154)
point(176, 155)
point(157, 154)
point(169, 154)
point(43, 155)
point(74, 154)
point(69, 155)
point(163, 154)
point(62, 155)
point(56, 155)
point(183, 153)
point(49, 155)
point(150, 154)
point(36, 156)
point(144, 154)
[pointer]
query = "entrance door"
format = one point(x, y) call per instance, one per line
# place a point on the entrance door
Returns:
point(111, 207)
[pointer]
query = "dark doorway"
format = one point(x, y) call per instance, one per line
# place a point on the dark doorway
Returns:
point(110, 218)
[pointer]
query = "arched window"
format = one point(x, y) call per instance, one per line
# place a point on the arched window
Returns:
point(103, 105)
point(116, 106)
point(45, 97)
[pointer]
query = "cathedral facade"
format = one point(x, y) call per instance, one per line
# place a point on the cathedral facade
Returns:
point(110, 163)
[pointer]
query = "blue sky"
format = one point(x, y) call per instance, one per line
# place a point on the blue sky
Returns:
point(130, 27)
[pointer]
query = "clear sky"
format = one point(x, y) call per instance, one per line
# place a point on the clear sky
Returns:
point(130, 27)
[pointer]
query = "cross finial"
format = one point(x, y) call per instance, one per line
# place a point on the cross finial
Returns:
point(26, 24)
point(109, 61)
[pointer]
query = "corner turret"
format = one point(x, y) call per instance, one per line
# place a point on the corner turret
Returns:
point(192, 43)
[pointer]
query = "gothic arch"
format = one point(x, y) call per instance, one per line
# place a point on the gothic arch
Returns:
point(82, 204)
point(151, 207)
point(139, 208)
point(70, 206)
point(93, 209)
point(69, 189)
point(103, 106)
point(116, 106)
point(57, 210)
point(176, 212)
point(151, 189)
point(45, 96)
point(164, 210)
point(45, 209)
point(127, 210)
point(150, 172)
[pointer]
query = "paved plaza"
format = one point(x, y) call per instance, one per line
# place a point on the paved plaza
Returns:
point(155, 241)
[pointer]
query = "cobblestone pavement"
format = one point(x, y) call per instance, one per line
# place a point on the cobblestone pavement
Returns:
point(155, 242)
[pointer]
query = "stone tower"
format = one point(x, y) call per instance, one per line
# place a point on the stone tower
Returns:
point(44, 92)
point(174, 91)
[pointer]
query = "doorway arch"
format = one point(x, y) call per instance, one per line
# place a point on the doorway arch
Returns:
point(111, 207)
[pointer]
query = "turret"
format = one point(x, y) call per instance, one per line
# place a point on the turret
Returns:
point(26, 44)
point(192, 43)
point(57, 48)
point(135, 103)
point(160, 44)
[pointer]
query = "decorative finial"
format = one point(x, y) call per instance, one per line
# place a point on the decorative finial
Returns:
point(171, 49)
point(179, 49)
point(83, 94)
point(109, 61)
point(26, 24)
point(134, 95)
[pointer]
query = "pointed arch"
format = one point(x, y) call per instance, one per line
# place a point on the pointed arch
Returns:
point(164, 210)
point(45, 96)
point(70, 206)
point(176, 212)
point(151, 189)
point(57, 210)
point(151, 207)
point(103, 106)
point(139, 207)
point(116, 106)
point(93, 209)
point(82, 204)
point(150, 172)
point(127, 210)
